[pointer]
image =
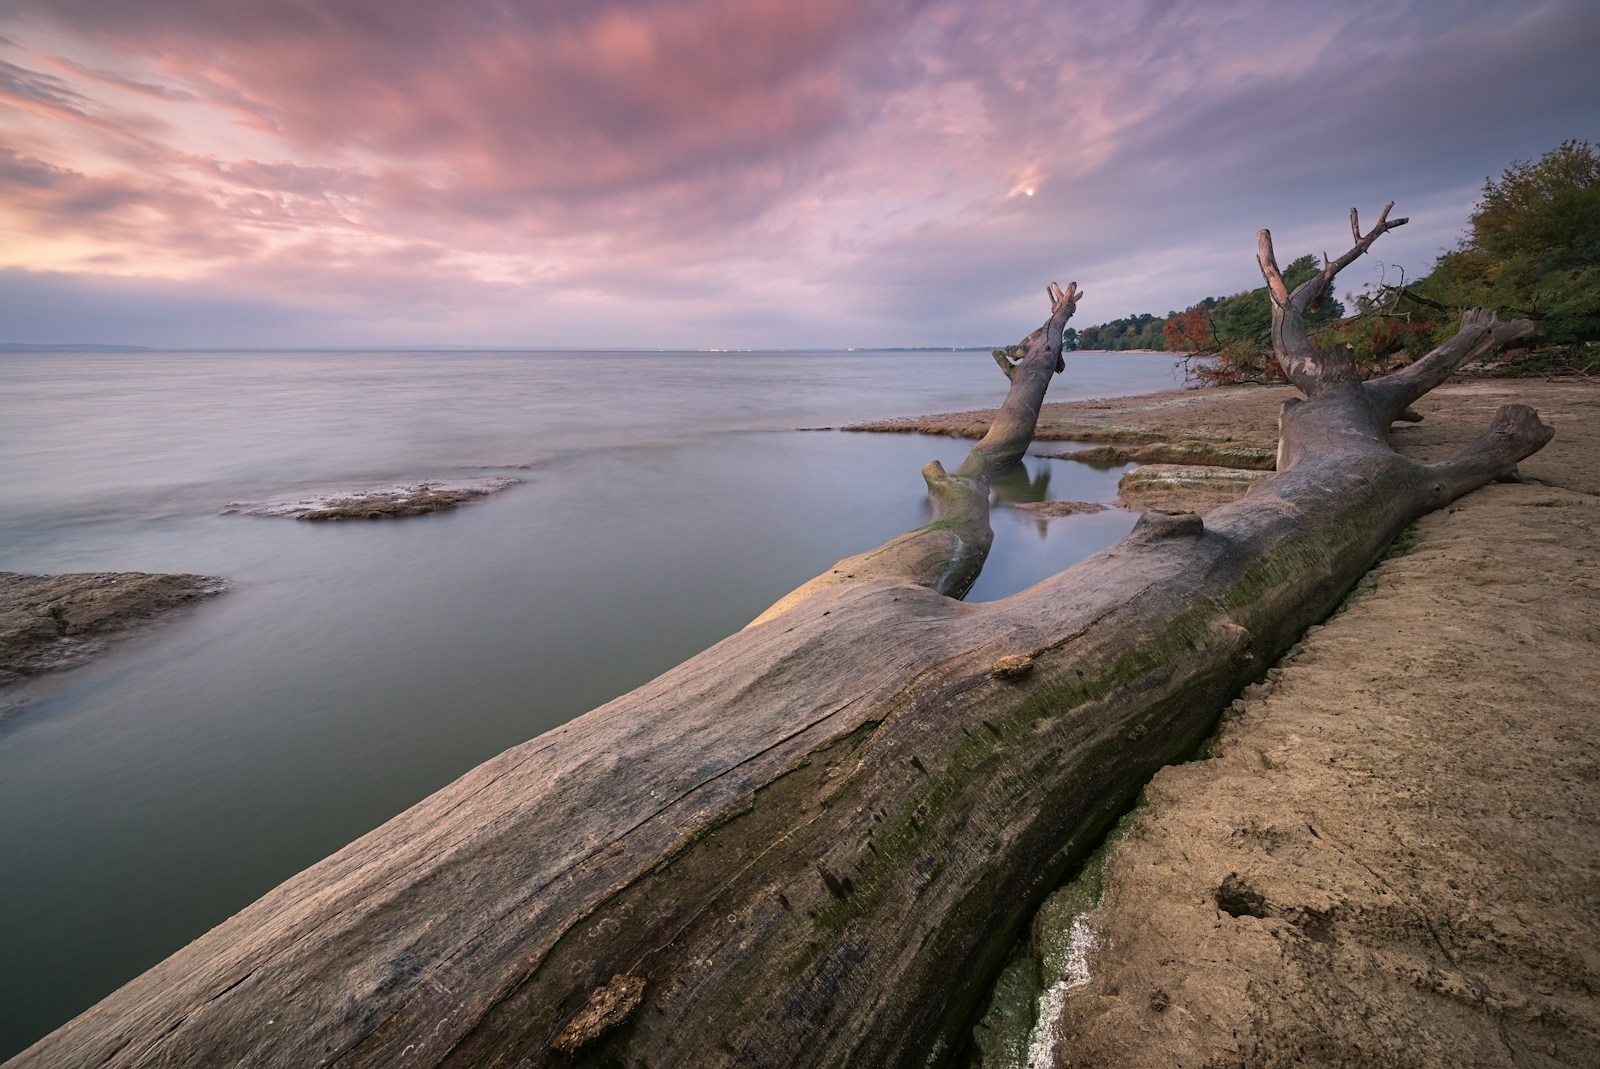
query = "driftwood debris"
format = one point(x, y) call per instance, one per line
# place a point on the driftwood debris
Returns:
point(814, 843)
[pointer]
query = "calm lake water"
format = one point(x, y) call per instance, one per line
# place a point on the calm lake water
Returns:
point(356, 667)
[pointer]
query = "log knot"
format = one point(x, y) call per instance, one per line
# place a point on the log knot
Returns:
point(606, 1008)
point(1157, 524)
point(1012, 666)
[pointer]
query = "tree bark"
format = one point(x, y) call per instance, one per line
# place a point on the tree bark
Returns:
point(814, 843)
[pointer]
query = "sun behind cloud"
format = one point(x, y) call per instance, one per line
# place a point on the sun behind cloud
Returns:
point(667, 171)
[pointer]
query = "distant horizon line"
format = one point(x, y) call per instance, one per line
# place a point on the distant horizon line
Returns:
point(101, 347)
point(443, 348)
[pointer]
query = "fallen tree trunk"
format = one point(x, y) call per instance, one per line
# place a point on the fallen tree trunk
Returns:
point(813, 844)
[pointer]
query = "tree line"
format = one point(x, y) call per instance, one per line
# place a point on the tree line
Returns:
point(1531, 250)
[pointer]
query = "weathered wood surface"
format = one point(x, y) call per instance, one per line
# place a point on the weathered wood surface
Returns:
point(813, 844)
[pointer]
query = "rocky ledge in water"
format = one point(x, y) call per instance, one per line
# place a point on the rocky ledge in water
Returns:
point(1187, 488)
point(1053, 509)
point(377, 502)
point(48, 622)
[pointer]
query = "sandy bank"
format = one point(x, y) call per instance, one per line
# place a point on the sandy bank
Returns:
point(50, 622)
point(1391, 857)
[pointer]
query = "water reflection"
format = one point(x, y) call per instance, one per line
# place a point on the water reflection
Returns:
point(356, 667)
point(1017, 485)
point(1099, 457)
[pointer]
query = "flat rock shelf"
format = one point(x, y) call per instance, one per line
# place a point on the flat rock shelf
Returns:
point(390, 501)
point(50, 622)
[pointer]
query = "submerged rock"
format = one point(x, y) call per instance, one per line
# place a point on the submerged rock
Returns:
point(377, 502)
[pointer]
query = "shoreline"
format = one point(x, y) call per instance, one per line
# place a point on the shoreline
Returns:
point(1235, 417)
point(1197, 449)
point(1388, 855)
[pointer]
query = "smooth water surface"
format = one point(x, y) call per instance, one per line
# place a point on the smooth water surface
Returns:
point(356, 667)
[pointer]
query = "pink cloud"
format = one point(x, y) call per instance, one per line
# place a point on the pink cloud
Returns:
point(865, 159)
point(150, 89)
point(501, 105)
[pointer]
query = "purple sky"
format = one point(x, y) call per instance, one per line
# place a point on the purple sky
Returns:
point(732, 173)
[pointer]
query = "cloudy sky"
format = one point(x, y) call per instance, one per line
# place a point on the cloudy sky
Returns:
point(698, 173)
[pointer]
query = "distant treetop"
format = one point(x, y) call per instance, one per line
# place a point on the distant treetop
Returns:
point(1532, 250)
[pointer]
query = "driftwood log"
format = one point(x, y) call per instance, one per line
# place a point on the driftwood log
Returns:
point(814, 843)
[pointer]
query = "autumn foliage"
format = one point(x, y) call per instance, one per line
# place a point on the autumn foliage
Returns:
point(1532, 250)
point(1190, 331)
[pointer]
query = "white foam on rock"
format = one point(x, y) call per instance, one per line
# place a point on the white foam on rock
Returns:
point(389, 500)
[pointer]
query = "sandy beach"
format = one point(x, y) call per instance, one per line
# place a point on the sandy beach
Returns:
point(1389, 855)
